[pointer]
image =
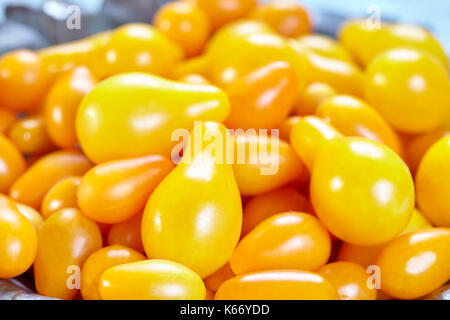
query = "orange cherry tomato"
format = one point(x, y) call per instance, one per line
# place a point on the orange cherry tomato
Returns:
point(151, 280)
point(264, 163)
point(291, 240)
point(277, 285)
point(266, 205)
point(61, 195)
point(263, 98)
point(140, 47)
point(415, 264)
point(62, 103)
point(416, 147)
point(409, 88)
point(115, 191)
point(350, 279)
point(18, 240)
point(214, 281)
point(7, 119)
point(30, 136)
point(98, 262)
point(221, 12)
point(127, 233)
point(185, 24)
point(353, 117)
point(287, 17)
point(66, 239)
point(433, 183)
point(33, 185)
point(12, 163)
point(23, 81)
point(309, 99)
point(31, 214)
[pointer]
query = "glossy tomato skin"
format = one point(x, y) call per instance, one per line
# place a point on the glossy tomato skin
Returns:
point(22, 72)
point(139, 47)
point(185, 24)
point(433, 183)
point(291, 240)
point(32, 186)
point(7, 119)
point(287, 17)
point(277, 285)
point(18, 240)
point(127, 233)
point(62, 103)
point(115, 191)
point(108, 131)
point(325, 46)
point(266, 205)
point(262, 98)
point(12, 163)
point(101, 260)
point(31, 214)
point(208, 195)
point(151, 280)
point(309, 99)
point(409, 82)
point(66, 239)
point(415, 264)
point(61, 195)
point(350, 279)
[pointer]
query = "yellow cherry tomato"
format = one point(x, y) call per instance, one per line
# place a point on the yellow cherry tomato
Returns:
point(31, 214)
point(277, 285)
point(365, 40)
point(139, 47)
point(127, 233)
point(115, 191)
point(433, 183)
point(415, 264)
point(12, 163)
point(264, 163)
point(151, 280)
point(409, 88)
point(379, 200)
point(309, 99)
point(263, 98)
point(23, 81)
point(286, 127)
point(61, 195)
point(62, 103)
point(66, 239)
point(18, 240)
point(116, 120)
point(266, 205)
point(221, 12)
point(287, 17)
point(291, 240)
point(7, 119)
point(350, 279)
point(33, 185)
point(204, 237)
point(98, 262)
point(194, 78)
point(345, 77)
point(353, 117)
point(185, 24)
point(30, 136)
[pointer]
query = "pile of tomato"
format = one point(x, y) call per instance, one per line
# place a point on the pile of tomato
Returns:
point(100, 200)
